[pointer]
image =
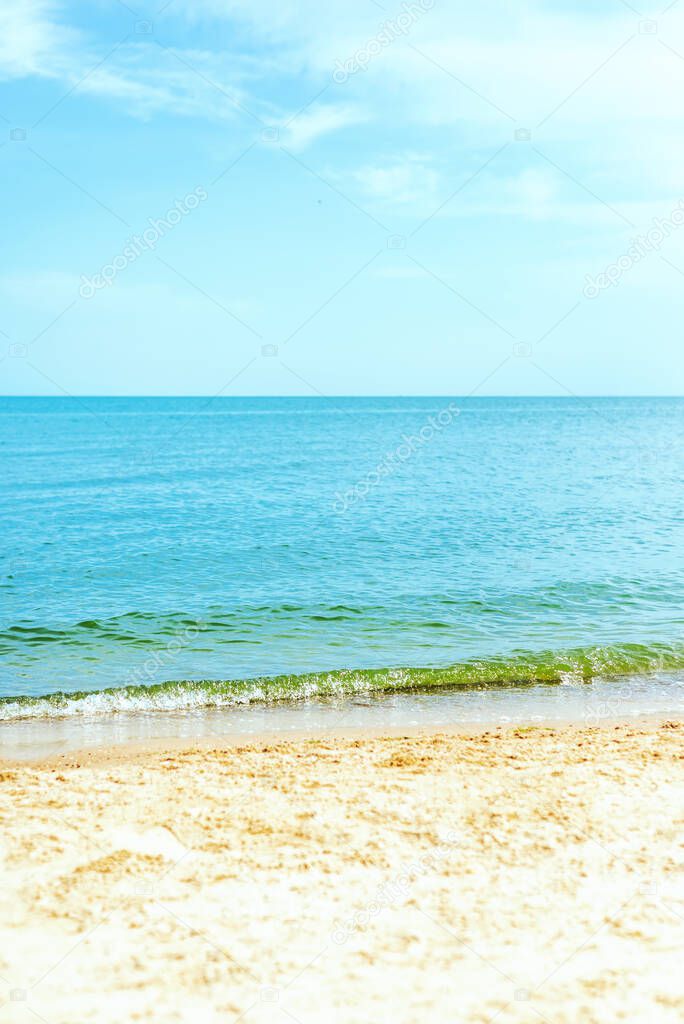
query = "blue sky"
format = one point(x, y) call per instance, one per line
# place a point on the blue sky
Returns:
point(396, 198)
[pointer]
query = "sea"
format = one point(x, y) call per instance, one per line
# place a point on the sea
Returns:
point(191, 556)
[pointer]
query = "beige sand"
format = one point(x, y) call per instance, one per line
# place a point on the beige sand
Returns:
point(518, 876)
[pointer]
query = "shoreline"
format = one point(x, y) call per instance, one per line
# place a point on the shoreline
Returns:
point(343, 878)
point(602, 701)
point(128, 751)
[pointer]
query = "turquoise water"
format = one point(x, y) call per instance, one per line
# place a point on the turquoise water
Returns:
point(195, 552)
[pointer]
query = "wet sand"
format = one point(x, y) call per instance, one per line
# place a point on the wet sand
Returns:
point(517, 875)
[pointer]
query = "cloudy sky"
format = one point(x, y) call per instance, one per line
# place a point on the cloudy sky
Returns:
point(356, 197)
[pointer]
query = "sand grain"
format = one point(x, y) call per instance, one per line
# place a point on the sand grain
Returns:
point(522, 875)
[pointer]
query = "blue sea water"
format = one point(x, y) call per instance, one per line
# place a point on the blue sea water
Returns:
point(229, 549)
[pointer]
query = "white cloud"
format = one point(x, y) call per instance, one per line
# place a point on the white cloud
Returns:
point(31, 39)
point(139, 75)
point(451, 81)
point(404, 179)
point(465, 69)
point(193, 83)
point(533, 192)
point(320, 120)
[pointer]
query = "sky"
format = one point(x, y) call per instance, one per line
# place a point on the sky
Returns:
point(266, 197)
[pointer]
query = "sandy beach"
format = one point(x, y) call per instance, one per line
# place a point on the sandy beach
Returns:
point(519, 875)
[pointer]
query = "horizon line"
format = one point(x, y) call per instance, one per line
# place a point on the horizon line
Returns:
point(320, 397)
